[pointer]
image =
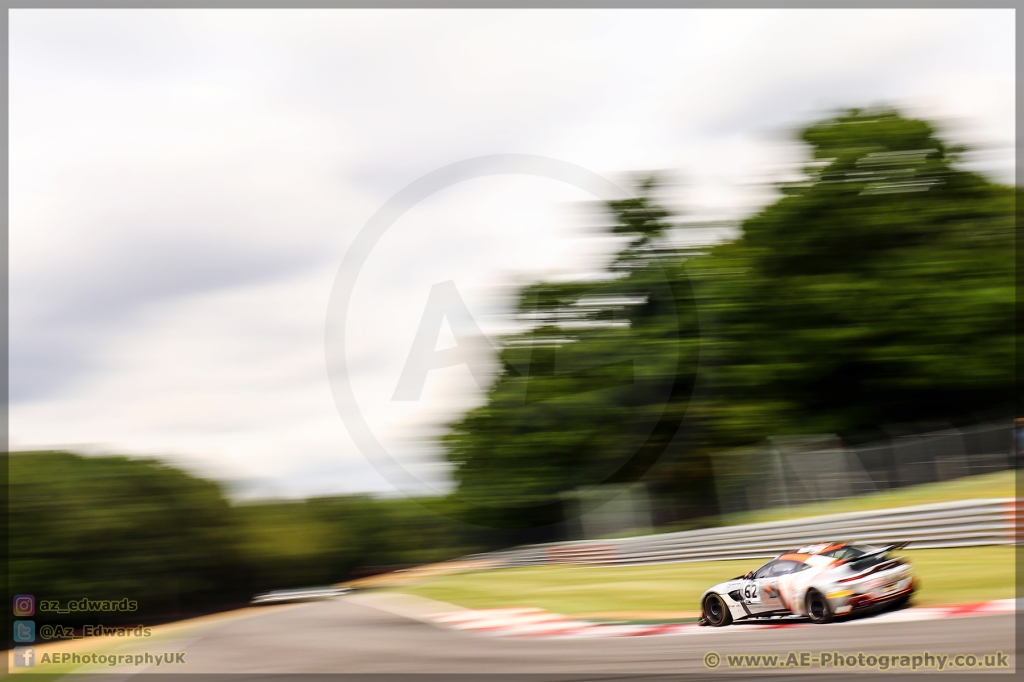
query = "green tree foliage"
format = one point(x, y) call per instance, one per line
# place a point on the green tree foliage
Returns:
point(594, 388)
point(115, 527)
point(877, 291)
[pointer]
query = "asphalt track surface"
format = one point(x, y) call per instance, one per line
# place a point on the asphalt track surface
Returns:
point(350, 635)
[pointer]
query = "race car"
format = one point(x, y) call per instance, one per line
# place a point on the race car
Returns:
point(818, 581)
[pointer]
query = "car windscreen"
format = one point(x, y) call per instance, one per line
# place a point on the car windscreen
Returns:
point(848, 552)
point(784, 567)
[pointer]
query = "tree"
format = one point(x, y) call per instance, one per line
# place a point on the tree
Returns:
point(876, 291)
point(593, 391)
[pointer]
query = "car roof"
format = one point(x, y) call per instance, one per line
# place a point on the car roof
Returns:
point(794, 556)
point(806, 552)
point(821, 548)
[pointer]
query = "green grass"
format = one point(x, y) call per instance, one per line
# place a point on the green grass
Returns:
point(998, 484)
point(947, 576)
point(571, 590)
point(963, 575)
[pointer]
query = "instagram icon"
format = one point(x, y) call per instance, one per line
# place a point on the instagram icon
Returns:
point(24, 605)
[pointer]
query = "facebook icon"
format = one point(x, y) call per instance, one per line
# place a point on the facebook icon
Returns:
point(24, 656)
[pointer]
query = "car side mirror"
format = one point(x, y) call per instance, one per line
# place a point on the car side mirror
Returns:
point(748, 575)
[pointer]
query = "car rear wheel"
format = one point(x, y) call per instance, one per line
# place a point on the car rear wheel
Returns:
point(716, 613)
point(818, 609)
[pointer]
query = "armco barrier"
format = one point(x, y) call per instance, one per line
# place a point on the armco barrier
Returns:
point(963, 523)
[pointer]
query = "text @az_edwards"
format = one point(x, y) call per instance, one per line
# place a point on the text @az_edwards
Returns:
point(68, 632)
point(86, 605)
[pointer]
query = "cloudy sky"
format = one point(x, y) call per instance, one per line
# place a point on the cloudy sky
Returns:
point(185, 184)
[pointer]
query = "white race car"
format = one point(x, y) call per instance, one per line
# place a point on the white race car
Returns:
point(819, 581)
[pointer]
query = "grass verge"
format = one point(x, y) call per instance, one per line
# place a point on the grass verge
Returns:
point(667, 591)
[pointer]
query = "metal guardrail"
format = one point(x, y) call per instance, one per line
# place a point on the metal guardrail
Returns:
point(963, 523)
point(299, 595)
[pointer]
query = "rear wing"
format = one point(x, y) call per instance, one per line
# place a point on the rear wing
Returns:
point(880, 552)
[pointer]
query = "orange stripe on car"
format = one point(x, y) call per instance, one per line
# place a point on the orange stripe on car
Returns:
point(795, 557)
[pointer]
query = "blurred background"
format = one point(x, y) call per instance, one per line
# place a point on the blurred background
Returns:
point(807, 295)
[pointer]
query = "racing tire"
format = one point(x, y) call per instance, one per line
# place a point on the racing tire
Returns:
point(716, 613)
point(818, 609)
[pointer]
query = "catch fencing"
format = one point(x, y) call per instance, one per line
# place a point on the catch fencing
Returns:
point(963, 523)
point(783, 471)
